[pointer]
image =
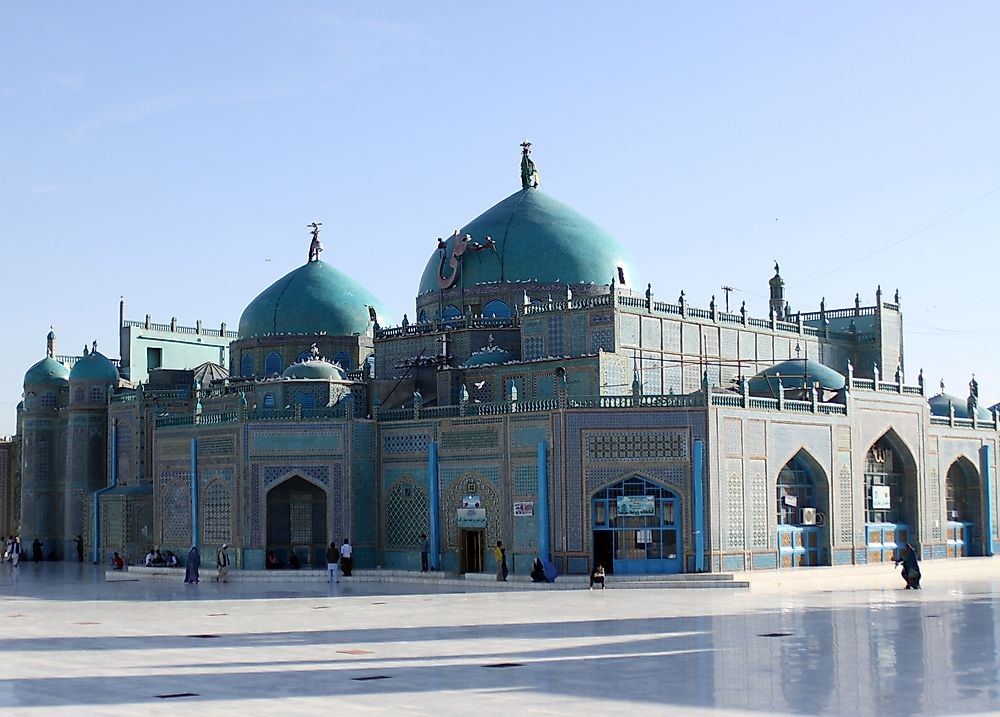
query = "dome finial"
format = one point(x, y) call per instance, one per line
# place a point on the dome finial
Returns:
point(529, 175)
point(315, 247)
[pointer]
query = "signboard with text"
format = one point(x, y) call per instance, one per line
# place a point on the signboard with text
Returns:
point(636, 505)
point(471, 518)
point(524, 510)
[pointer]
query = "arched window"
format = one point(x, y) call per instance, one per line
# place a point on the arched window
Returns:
point(796, 489)
point(268, 401)
point(962, 492)
point(49, 400)
point(496, 310)
point(451, 312)
point(246, 365)
point(272, 363)
point(344, 359)
point(307, 400)
point(304, 356)
point(884, 498)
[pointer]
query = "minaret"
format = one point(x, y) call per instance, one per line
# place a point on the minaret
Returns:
point(777, 293)
point(50, 343)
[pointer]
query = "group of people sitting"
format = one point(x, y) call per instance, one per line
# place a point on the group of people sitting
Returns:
point(154, 559)
point(273, 563)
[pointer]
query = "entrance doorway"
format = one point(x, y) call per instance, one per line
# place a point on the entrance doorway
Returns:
point(636, 528)
point(296, 522)
point(472, 551)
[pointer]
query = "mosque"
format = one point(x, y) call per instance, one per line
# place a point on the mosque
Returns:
point(537, 397)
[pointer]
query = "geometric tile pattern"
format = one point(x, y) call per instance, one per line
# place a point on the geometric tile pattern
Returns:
point(758, 510)
point(407, 514)
point(484, 439)
point(216, 521)
point(846, 507)
point(176, 508)
point(629, 446)
point(734, 437)
point(405, 443)
point(734, 501)
point(525, 480)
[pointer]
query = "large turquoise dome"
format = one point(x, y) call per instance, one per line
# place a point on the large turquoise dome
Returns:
point(795, 375)
point(95, 366)
point(940, 407)
point(538, 239)
point(48, 371)
point(313, 299)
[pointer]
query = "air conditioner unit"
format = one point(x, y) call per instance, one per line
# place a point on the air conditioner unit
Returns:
point(808, 516)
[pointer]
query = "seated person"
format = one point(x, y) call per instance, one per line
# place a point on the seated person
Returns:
point(293, 561)
point(172, 561)
point(597, 576)
point(537, 571)
point(158, 559)
point(272, 561)
point(149, 558)
point(117, 562)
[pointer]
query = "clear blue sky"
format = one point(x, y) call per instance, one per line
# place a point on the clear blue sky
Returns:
point(173, 153)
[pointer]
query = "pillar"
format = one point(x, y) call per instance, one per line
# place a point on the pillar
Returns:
point(195, 537)
point(542, 509)
point(986, 469)
point(435, 506)
point(699, 505)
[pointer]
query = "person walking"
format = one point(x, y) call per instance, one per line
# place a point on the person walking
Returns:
point(346, 563)
point(500, 553)
point(425, 552)
point(332, 558)
point(193, 563)
point(15, 556)
point(222, 563)
point(79, 547)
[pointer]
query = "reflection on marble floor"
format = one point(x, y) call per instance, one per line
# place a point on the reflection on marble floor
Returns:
point(73, 644)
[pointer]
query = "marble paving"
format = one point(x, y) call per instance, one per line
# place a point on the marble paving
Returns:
point(830, 643)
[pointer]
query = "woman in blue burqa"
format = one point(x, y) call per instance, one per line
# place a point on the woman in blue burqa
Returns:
point(193, 563)
point(911, 569)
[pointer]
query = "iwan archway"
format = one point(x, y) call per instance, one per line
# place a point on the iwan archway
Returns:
point(296, 522)
point(803, 504)
point(890, 498)
point(964, 506)
point(636, 527)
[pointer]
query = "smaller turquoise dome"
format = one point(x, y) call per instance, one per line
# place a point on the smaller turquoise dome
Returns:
point(939, 407)
point(795, 375)
point(315, 368)
point(95, 366)
point(48, 371)
point(488, 356)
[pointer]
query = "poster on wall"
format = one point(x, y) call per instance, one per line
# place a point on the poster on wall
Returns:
point(881, 498)
point(636, 505)
point(524, 510)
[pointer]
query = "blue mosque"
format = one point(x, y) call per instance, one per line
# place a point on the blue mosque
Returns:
point(537, 396)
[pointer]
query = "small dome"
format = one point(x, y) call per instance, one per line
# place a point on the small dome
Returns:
point(939, 407)
point(536, 239)
point(315, 368)
point(48, 371)
point(95, 366)
point(795, 375)
point(488, 356)
point(313, 299)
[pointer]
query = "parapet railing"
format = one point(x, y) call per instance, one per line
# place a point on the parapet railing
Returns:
point(174, 328)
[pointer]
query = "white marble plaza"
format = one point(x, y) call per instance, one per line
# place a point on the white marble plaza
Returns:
point(821, 641)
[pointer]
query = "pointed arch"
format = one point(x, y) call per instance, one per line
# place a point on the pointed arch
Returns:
point(802, 501)
point(297, 518)
point(963, 508)
point(891, 509)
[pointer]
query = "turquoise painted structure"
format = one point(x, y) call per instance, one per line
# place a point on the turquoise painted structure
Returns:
point(314, 298)
point(537, 239)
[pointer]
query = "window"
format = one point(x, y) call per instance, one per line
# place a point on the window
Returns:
point(307, 400)
point(343, 359)
point(796, 490)
point(154, 358)
point(272, 364)
point(268, 401)
point(450, 313)
point(246, 365)
point(883, 485)
point(496, 310)
point(304, 356)
point(49, 400)
point(96, 394)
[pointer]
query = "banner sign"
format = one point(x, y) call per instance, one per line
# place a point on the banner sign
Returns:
point(472, 517)
point(636, 505)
